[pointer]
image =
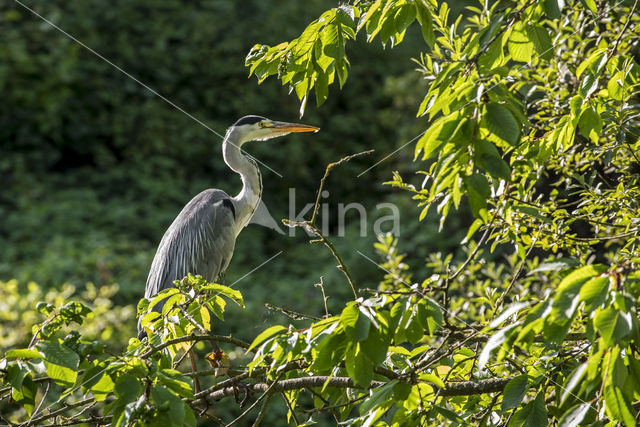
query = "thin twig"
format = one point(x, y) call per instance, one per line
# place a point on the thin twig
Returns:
point(59, 411)
point(253, 405)
point(44, 396)
point(293, 414)
point(624, 29)
point(324, 296)
point(290, 313)
point(193, 337)
point(330, 166)
point(263, 410)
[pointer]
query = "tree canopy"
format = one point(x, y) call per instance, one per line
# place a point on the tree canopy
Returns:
point(529, 122)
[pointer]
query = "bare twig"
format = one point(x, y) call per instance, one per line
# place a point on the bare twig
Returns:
point(263, 410)
point(624, 29)
point(44, 396)
point(330, 166)
point(311, 227)
point(253, 405)
point(59, 411)
point(324, 296)
point(290, 313)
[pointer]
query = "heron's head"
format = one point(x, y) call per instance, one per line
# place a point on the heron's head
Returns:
point(258, 128)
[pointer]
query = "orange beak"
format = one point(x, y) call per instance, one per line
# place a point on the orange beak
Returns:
point(293, 127)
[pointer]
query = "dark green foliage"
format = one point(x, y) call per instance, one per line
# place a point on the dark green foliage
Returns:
point(536, 325)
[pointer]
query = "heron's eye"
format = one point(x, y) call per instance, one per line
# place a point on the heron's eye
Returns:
point(261, 124)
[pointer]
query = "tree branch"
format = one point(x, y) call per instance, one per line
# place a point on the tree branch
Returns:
point(193, 337)
point(460, 388)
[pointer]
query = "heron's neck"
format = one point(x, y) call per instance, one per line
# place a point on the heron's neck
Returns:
point(247, 200)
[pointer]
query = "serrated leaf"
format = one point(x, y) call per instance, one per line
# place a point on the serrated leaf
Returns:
point(552, 8)
point(514, 392)
point(170, 407)
point(613, 325)
point(177, 382)
point(61, 362)
point(378, 396)
point(501, 123)
point(617, 405)
point(23, 353)
point(594, 292)
point(520, 45)
point(359, 367)
point(128, 388)
point(426, 23)
point(541, 41)
point(265, 335)
point(97, 380)
point(228, 292)
point(533, 414)
point(557, 265)
point(572, 381)
point(493, 342)
point(574, 416)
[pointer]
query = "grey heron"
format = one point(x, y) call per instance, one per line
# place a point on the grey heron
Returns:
point(202, 237)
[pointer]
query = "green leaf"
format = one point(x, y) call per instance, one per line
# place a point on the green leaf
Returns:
point(494, 342)
point(558, 264)
point(355, 324)
point(534, 414)
point(588, 85)
point(401, 391)
point(590, 124)
point(572, 381)
point(488, 157)
point(128, 388)
point(60, 361)
point(514, 392)
point(359, 367)
point(170, 407)
point(541, 41)
point(265, 335)
point(574, 416)
point(23, 353)
point(97, 380)
point(479, 190)
point(429, 315)
point(594, 292)
point(177, 382)
point(591, 5)
point(520, 45)
point(375, 346)
point(15, 375)
point(494, 55)
point(566, 298)
point(437, 135)
point(552, 8)
point(228, 292)
point(379, 396)
point(26, 396)
point(617, 405)
point(613, 325)
point(426, 23)
point(501, 123)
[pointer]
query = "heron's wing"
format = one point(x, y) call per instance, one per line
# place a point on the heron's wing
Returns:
point(199, 241)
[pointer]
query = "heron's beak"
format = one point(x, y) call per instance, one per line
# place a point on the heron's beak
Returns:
point(293, 127)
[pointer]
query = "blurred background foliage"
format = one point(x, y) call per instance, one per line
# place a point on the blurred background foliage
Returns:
point(94, 167)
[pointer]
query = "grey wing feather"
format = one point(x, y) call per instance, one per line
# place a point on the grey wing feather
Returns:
point(199, 241)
